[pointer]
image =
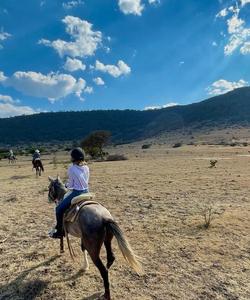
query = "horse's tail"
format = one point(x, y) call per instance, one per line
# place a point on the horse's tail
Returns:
point(127, 252)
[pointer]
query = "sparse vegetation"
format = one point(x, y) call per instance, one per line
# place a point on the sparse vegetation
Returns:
point(209, 214)
point(160, 200)
point(146, 146)
point(116, 157)
point(177, 145)
point(213, 163)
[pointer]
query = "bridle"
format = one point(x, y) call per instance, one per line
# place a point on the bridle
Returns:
point(53, 194)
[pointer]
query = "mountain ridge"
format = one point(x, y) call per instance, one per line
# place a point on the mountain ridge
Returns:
point(232, 108)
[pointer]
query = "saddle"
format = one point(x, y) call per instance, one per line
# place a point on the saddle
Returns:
point(77, 204)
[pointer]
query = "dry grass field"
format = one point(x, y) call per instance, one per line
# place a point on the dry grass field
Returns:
point(158, 196)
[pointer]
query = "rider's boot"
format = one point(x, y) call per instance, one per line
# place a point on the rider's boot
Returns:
point(57, 232)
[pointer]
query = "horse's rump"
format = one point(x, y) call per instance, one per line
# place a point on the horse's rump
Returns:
point(38, 164)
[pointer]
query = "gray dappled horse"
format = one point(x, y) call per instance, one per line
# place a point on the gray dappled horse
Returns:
point(95, 226)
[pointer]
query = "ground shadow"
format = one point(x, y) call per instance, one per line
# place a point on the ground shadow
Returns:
point(18, 289)
point(73, 277)
point(96, 296)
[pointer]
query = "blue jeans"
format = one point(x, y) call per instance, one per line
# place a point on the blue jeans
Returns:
point(64, 205)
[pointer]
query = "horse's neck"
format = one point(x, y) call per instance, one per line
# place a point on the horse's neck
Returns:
point(62, 192)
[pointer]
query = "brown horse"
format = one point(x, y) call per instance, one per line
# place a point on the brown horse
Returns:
point(95, 226)
point(12, 159)
point(37, 164)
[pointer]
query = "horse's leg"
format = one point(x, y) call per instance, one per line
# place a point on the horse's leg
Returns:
point(61, 245)
point(110, 254)
point(86, 263)
point(94, 253)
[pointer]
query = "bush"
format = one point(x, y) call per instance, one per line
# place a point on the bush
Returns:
point(177, 145)
point(116, 157)
point(209, 214)
point(3, 150)
point(146, 146)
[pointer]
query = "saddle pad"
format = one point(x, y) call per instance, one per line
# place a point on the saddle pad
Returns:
point(82, 197)
point(72, 213)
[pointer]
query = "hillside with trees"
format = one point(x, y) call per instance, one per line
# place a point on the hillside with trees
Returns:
point(229, 109)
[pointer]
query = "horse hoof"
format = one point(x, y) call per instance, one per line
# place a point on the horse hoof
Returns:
point(106, 297)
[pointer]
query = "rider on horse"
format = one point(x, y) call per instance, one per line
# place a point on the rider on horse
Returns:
point(36, 155)
point(11, 154)
point(78, 180)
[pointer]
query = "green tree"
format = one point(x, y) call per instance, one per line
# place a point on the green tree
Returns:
point(93, 144)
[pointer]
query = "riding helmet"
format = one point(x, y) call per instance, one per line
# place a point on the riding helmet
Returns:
point(78, 154)
point(37, 151)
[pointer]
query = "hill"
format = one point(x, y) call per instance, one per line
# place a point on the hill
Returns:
point(225, 110)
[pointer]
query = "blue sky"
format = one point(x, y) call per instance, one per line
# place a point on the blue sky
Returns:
point(137, 54)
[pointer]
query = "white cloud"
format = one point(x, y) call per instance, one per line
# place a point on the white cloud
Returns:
point(6, 99)
point(4, 36)
point(154, 1)
point(239, 34)
point(214, 44)
point(85, 40)
point(134, 7)
point(52, 86)
point(244, 2)
point(235, 24)
point(72, 4)
point(245, 49)
point(223, 86)
point(98, 81)
point(89, 90)
point(170, 104)
point(223, 13)
point(116, 71)
point(10, 110)
point(73, 65)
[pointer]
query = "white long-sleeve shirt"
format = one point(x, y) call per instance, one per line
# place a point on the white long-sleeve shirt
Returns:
point(78, 178)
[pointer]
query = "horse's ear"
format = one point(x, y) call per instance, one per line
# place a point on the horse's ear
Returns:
point(51, 179)
point(58, 178)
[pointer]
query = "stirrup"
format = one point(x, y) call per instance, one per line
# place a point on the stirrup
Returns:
point(56, 234)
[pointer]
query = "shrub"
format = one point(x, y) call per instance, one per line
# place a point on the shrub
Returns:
point(177, 145)
point(116, 157)
point(146, 146)
point(209, 214)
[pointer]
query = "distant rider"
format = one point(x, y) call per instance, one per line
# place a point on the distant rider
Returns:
point(78, 183)
point(36, 155)
point(11, 153)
